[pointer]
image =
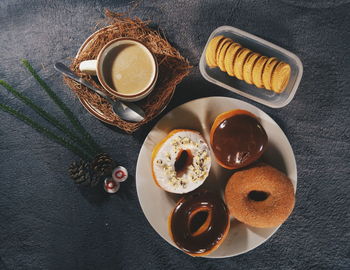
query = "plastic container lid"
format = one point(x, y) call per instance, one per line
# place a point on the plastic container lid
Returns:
point(256, 44)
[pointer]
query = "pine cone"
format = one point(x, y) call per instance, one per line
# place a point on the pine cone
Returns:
point(80, 172)
point(102, 166)
point(91, 173)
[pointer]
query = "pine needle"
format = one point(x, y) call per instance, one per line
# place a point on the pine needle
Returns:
point(75, 122)
point(43, 130)
point(51, 119)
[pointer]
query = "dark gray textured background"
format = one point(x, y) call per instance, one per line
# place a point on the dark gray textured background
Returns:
point(46, 222)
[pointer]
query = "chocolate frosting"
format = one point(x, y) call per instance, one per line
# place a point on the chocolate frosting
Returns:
point(239, 140)
point(180, 222)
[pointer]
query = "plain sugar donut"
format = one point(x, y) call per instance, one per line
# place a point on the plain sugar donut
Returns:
point(260, 196)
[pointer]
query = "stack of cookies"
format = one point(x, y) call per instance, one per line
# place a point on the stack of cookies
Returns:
point(244, 64)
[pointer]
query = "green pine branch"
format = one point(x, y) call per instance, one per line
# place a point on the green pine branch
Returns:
point(51, 119)
point(75, 122)
point(45, 131)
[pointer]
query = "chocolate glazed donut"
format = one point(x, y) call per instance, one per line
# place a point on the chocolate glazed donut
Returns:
point(210, 213)
point(237, 139)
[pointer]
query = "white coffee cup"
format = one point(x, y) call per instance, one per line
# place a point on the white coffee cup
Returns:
point(126, 69)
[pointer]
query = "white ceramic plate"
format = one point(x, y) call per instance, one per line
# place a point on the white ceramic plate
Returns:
point(199, 115)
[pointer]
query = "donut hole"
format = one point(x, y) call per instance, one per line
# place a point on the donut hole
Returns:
point(183, 160)
point(199, 221)
point(258, 196)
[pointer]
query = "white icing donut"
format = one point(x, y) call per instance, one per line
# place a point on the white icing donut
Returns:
point(181, 162)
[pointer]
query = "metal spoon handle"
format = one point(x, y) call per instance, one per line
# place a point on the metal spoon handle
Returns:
point(66, 71)
point(126, 111)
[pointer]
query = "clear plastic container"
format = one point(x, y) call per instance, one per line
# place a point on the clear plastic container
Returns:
point(256, 44)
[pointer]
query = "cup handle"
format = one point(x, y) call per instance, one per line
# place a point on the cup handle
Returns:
point(88, 67)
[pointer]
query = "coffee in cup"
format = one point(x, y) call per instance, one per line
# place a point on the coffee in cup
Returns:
point(125, 67)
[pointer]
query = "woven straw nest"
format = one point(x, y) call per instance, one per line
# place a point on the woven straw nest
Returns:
point(172, 69)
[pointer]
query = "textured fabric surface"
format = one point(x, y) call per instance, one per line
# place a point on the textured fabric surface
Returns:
point(48, 223)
